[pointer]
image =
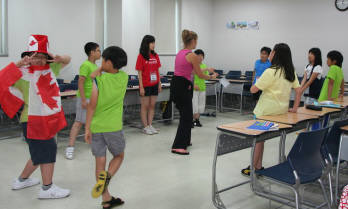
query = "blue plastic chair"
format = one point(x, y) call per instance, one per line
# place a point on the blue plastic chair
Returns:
point(331, 149)
point(234, 74)
point(304, 164)
point(76, 77)
point(220, 72)
point(249, 75)
point(171, 73)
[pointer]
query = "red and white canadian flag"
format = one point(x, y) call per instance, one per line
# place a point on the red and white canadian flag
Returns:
point(45, 115)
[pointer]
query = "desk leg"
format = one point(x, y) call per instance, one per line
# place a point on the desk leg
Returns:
point(252, 171)
point(282, 156)
point(215, 194)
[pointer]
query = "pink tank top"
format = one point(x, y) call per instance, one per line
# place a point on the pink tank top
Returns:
point(182, 66)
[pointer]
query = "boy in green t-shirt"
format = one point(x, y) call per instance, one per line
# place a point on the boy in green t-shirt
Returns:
point(85, 84)
point(104, 120)
point(334, 80)
point(199, 95)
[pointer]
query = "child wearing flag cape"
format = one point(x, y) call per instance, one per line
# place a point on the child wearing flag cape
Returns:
point(31, 83)
point(104, 120)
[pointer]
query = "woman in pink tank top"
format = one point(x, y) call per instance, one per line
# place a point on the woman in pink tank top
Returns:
point(181, 90)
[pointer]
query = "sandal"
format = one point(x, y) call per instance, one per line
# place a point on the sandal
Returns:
point(99, 187)
point(114, 202)
point(247, 171)
point(179, 153)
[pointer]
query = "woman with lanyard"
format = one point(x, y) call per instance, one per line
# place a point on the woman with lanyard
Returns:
point(181, 91)
point(148, 64)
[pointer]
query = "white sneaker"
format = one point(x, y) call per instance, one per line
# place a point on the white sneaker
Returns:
point(155, 131)
point(27, 183)
point(147, 130)
point(69, 153)
point(54, 192)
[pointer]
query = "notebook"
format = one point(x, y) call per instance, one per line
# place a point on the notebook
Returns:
point(264, 126)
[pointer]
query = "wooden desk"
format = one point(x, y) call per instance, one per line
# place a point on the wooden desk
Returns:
point(325, 111)
point(234, 137)
point(289, 118)
point(241, 128)
point(68, 93)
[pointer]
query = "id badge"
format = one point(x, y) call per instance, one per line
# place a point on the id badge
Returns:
point(153, 77)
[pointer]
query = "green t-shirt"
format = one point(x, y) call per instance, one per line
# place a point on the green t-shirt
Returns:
point(108, 114)
point(86, 69)
point(199, 81)
point(23, 86)
point(335, 73)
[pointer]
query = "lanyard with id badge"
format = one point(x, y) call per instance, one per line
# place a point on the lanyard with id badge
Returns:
point(153, 77)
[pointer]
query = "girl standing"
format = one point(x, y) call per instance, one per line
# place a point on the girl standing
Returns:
point(276, 84)
point(148, 64)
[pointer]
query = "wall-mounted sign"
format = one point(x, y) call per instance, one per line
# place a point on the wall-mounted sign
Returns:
point(243, 25)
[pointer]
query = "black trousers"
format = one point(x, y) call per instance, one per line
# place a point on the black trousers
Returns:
point(181, 93)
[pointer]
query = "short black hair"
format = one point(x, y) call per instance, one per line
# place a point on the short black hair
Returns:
point(200, 52)
point(90, 46)
point(336, 56)
point(266, 49)
point(116, 55)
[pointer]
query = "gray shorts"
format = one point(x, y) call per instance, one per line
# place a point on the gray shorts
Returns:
point(80, 112)
point(113, 141)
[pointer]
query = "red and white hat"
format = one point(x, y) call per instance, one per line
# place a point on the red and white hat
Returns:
point(37, 43)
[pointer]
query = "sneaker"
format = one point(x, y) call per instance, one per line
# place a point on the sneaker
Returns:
point(69, 153)
point(154, 131)
point(147, 130)
point(24, 184)
point(198, 123)
point(54, 192)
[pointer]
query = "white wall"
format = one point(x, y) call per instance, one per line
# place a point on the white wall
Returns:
point(68, 24)
point(301, 24)
point(114, 26)
point(197, 15)
point(135, 24)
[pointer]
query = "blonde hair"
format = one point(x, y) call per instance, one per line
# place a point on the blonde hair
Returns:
point(188, 36)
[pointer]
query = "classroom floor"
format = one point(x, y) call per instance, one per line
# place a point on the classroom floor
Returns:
point(150, 177)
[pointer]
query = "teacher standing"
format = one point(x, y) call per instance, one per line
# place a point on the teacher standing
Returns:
point(181, 91)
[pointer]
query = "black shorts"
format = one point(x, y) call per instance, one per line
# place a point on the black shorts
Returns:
point(257, 95)
point(41, 151)
point(151, 90)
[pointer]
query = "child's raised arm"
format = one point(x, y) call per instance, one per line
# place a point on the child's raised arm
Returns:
point(96, 73)
point(90, 112)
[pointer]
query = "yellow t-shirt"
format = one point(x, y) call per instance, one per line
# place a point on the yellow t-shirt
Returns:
point(276, 91)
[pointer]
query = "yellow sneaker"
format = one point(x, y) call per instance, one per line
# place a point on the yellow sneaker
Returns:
point(99, 187)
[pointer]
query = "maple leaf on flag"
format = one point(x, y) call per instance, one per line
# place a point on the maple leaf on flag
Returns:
point(32, 43)
point(47, 90)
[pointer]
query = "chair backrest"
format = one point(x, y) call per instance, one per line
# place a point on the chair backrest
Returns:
point(220, 72)
point(170, 73)
point(332, 141)
point(133, 77)
point(76, 77)
point(164, 80)
point(234, 74)
point(249, 73)
point(305, 156)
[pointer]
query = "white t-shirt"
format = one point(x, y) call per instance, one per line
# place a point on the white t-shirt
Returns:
point(317, 69)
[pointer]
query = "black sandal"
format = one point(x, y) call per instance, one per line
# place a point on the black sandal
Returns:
point(180, 153)
point(114, 202)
